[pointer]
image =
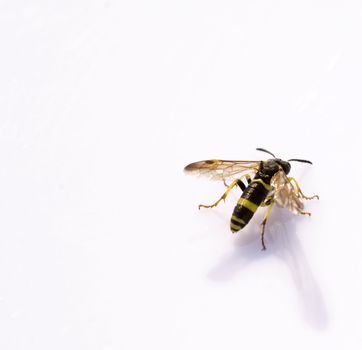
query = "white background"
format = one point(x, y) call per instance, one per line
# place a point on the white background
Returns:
point(102, 104)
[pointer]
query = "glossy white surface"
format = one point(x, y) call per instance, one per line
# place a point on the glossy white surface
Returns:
point(102, 104)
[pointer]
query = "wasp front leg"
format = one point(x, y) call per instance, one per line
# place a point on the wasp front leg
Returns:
point(300, 191)
point(223, 197)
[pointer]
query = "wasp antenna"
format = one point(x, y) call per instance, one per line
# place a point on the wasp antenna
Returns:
point(266, 151)
point(300, 160)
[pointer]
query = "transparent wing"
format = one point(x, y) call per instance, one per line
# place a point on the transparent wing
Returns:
point(285, 194)
point(217, 169)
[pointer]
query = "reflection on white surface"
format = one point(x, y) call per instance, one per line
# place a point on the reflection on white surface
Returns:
point(282, 242)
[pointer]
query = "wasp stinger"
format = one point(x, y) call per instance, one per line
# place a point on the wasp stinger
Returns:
point(267, 183)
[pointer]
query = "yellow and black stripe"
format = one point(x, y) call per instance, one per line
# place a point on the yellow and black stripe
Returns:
point(250, 200)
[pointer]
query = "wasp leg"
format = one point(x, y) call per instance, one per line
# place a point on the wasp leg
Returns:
point(248, 178)
point(269, 202)
point(226, 185)
point(300, 191)
point(230, 187)
point(266, 202)
point(240, 183)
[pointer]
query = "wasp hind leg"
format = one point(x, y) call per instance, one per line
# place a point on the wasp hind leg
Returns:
point(240, 183)
point(269, 202)
point(302, 194)
point(230, 187)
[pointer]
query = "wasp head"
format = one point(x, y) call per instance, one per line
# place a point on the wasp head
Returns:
point(272, 166)
point(284, 164)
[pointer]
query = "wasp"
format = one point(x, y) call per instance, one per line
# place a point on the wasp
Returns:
point(263, 183)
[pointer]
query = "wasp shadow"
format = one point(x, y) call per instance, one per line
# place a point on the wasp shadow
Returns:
point(282, 242)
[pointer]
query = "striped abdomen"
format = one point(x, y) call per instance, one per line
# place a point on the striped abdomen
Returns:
point(252, 197)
